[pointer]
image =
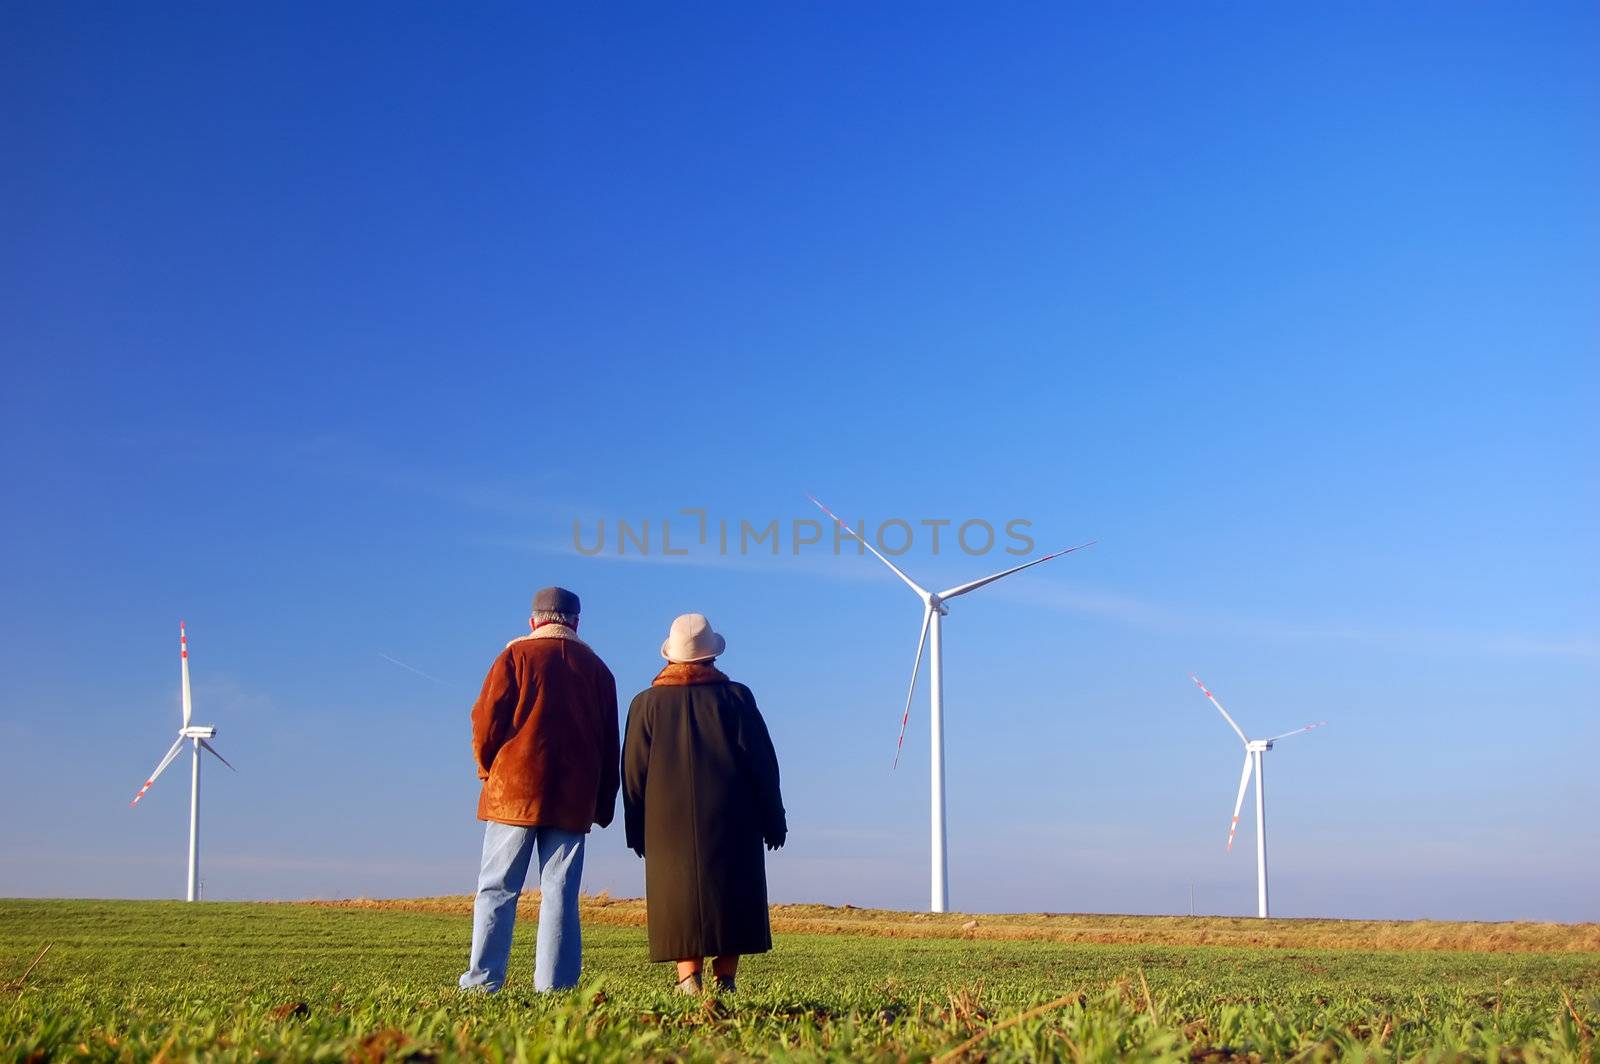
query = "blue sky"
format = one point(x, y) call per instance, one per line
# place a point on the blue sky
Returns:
point(322, 327)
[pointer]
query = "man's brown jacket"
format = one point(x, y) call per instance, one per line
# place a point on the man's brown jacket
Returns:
point(544, 731)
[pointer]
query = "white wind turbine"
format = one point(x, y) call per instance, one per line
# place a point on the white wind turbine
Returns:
point(933, 608)
point(1253, 749)
point(196, 735)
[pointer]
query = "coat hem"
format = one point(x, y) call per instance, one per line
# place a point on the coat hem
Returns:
point(713, 952)
point(513, 822)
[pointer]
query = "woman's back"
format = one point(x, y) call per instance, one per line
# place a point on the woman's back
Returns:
point(700, 796)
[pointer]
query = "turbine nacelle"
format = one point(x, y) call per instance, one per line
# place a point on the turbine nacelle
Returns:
point(198, 731)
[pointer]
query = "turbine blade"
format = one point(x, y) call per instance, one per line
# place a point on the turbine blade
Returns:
point(1298, 730)
point(1208, 694)
point(916, 668)
point(962, 589)
point(216, 755)
point(1244, 781)
point(183, 654)
point(912, 584)
point(160, 768)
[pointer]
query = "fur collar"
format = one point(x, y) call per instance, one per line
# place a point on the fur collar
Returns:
point(687, 673)
point(548, 631)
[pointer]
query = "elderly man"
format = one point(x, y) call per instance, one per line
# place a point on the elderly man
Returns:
point(544, 730)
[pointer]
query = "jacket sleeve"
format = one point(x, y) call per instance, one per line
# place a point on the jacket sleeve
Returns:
point(492, 712)
point(605, 799)
point(635, 765)
point(761, 761)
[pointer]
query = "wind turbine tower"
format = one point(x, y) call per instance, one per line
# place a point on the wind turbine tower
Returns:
point(933, 609)
point(1254, 749)
point(198, 737)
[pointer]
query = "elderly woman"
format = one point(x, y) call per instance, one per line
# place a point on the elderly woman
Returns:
point(700, 796)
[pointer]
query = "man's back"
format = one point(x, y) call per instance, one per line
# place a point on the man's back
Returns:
point(545, 734)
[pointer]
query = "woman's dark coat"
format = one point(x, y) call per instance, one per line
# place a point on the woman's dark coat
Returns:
point(699, 798)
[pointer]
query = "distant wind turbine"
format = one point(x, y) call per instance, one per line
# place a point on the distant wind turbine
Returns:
point(933, 608)
point(197, 735)
point(1253, 749)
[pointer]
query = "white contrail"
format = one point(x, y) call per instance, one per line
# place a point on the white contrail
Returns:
point(408, 668)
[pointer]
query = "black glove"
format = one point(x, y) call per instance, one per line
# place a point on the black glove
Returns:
point(775, 842)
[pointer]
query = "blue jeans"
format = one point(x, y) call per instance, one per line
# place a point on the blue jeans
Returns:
point(558, 955)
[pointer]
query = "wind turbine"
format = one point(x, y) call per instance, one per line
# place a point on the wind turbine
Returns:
point(197, 736)
point(933, 608)
point(1253, 749)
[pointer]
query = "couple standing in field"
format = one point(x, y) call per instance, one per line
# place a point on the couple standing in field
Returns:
point(699, 781)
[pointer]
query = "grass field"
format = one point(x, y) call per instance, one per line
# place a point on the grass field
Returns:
point(374, 981)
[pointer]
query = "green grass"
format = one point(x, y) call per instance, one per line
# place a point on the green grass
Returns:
point(141, 980)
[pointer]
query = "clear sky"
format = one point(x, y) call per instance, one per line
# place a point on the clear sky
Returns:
point(323, 324)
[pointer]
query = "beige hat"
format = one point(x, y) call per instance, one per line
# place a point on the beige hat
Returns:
point(691, 639)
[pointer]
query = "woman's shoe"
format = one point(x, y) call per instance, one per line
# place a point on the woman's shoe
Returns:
point(723, 984)
point(690, 985)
